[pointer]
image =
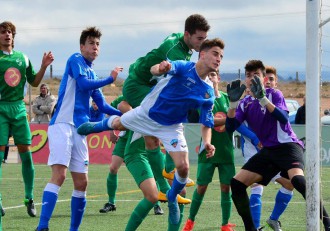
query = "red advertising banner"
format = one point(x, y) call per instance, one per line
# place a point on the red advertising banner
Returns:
point(99, 146)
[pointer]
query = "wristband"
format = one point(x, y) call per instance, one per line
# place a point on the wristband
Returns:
point(264, 101)
point(233, 105)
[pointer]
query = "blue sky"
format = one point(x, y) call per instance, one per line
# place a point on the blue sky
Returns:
point(273, 31)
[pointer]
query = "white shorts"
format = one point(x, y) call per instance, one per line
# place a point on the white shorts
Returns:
point(171, 136)
point(67, 147)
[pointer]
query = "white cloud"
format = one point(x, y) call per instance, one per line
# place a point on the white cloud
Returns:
point(270, 30)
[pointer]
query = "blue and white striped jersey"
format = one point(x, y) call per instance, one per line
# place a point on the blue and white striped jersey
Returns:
point(169, 101)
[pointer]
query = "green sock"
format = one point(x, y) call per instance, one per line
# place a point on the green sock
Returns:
point(28, 173)
point(195, 205)
point(169, 163)
point(157, 203)
point(176, 227)
point(112, 183)
point(139, 213)
point(226, 204)
point(2, 154)
point(1, 158)
point(156, 160)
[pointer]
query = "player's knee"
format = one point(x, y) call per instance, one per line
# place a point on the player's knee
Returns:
point(114, 123)
point(114, 168)
point(201, 189)
point(152, 197)
point(2, 154)
point(80, 185)
point(183, 170)
point(299, 183)
point(237, 188)
point(58, 179)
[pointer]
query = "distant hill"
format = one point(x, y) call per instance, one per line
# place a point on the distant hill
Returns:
point(286, 76)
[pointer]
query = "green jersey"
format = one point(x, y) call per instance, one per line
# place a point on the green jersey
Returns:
point(15, 70)
point(221, 139)
point(173, 48)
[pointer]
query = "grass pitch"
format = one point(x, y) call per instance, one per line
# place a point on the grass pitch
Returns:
point(128, 195)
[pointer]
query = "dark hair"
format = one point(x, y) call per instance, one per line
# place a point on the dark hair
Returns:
point(92, 32)
point(9, 26)
point(271, 70)
point(253, 65)
point(209, 43)
point(196, 22)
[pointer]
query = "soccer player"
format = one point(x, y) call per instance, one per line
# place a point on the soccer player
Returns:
point(117, 160)
point(223, 159)
point(250, 146)
point(266, 115)
point(68, 149)
point(177, 46)
point(15, 70)
point(162, 112)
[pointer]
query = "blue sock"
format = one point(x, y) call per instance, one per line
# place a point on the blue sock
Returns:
point(255, 207)
point(177, 186)
point(48, 204)
point(78, 205)
point(282, 200)
point(101, 126)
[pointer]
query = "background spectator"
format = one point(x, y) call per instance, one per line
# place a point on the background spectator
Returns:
point(325, 120)
point(43, 105)
point(301, 114)
point(95, 114)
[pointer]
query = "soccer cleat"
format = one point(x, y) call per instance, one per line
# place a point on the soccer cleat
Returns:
point(228, 227)
point(174, 211)
point(170, 176)
point(2, 211)
point(44, 229)
point(158, 210)
point(189, 225)
point(275, 225)
point(108, 207)
point(30, 208)
point(181, 200)
point(87, 128)
point(262, 228)
point(190, 183)
point(93, 127)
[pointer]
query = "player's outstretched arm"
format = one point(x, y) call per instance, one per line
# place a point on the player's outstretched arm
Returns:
point(235, 91)
point(206, 137)
point(114, 73)
point(47, 59)
point(161, 68)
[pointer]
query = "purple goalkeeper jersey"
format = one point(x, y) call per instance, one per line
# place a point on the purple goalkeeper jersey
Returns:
point(269, 130)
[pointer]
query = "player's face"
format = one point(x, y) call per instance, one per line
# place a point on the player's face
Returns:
point(250, 74)
point(214, 77)
point(90, 50)
point(94, 106)
point(270, 80)
point(6, 37)
point(194, 41)
point(212, 58)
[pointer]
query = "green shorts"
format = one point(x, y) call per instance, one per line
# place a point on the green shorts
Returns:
point(137, 161)
point(13, 118)
point(205, 173)
point(134, 92)
point(119, 149)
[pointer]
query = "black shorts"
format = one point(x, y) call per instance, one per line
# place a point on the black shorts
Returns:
point(268, 162)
